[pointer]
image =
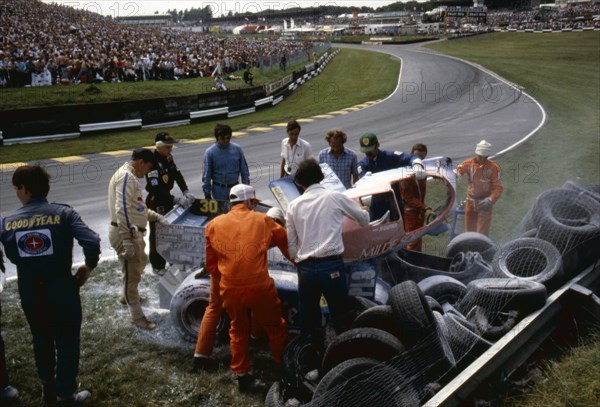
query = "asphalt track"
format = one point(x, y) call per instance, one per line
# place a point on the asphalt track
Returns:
point(448, 104)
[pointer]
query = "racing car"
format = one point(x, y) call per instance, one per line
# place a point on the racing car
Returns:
point(185, 288)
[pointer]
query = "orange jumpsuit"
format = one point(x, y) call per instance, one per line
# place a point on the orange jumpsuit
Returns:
point(413, 195)
point(236, 248)
point(484, 182)
point(207, 331)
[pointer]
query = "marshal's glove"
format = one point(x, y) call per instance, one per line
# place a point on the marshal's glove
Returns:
point(485, 203)
point(181, 201)
point(419, 171)
point(163, 220)
point(190, 198)
point(128, 250)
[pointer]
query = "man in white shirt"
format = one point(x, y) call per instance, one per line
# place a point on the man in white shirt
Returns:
point(294, 150)
point(314, 222)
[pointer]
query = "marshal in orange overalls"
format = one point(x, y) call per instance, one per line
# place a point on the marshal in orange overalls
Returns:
point(236, 249)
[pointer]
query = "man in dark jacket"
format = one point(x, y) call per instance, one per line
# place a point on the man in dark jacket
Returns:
point(38, 239)
point(159, 183)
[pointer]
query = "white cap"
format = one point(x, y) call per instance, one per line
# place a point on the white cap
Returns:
point(241, 193)
point(277, 215)
point(483, 148)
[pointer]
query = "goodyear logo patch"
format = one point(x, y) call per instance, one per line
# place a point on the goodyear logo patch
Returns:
point(34, 243)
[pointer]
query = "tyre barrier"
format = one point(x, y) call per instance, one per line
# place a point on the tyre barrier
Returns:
point(361, 342)
point(365, 382)
point(497, 295)
point(380, 317)
point(492, 330)
point(443, 289)
point(412, 311)
point(300, 358)
point(566, 218)
point(530, 259)
point(405, 265)
point(472, 242)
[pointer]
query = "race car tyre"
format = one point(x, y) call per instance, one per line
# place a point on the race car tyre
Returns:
point(412, 311)
point(361, 342)
point(364, 382)
point(274, 397)
point(503, 294)
point(443, 289)
point(471, 242)
point(530, 259)
point(380, 317)
point(187, 309)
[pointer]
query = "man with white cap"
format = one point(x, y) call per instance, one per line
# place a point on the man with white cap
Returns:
point(483, 190)
point(236, 253)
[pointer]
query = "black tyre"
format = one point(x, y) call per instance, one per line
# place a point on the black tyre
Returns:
point(300, 357)
point(566, 218)
point(341, 373)
point(380, 317)
point(462, 340)
point(504, 294)
point(495, 329)
point(274, 397)
point(187, 309)
point(364, 382)
point(434, 304)
point(361, 342)
point(472, 242)
point(412, 311)
point(530, 259)
point(443, 289)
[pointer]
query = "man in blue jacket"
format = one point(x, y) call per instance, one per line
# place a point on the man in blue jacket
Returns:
point(377, 160)
point(38, 239)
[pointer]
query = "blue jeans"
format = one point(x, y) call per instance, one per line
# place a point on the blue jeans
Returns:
point(327, 278)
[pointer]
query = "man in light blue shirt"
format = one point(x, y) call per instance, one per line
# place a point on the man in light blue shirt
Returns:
point(340, 159)
point(224, 163)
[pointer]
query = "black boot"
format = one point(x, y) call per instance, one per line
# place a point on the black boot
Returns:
point(48, 394)
point(204, 364)
point(249, 384)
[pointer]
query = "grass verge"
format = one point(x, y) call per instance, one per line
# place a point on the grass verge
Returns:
point(122, 365)
point(336, 88)
point(563, 73)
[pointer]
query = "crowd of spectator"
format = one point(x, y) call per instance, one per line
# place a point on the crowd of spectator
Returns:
point(574, 17)
point(53, 44)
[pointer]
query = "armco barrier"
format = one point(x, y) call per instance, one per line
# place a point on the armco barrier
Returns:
point(60, 122)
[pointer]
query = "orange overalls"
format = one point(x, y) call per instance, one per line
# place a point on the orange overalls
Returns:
point(413, 195)
point(236, 248)
point(484, 182)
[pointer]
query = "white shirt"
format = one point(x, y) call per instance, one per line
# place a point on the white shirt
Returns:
point(314, 222)
point(293, 156)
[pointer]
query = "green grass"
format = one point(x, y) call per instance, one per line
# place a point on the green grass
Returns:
point(122, 365)
point(334, 89)
point(563, 73)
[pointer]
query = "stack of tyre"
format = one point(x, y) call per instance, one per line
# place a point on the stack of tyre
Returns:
point(395, 354)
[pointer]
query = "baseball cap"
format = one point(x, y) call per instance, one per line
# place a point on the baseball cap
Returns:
point(242, 192)
point(143, 154)
point(483, 148)
point(368, 142)
point(164, 139)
